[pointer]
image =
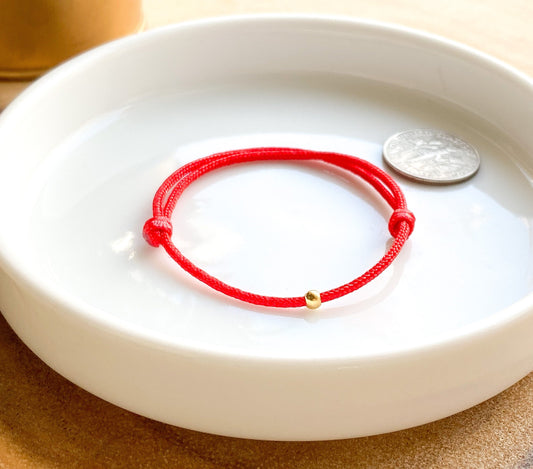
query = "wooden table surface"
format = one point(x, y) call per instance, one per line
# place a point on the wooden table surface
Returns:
point(47, 422)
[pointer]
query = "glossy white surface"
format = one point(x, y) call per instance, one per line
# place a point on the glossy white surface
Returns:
point(280, 229)
point(446, 327)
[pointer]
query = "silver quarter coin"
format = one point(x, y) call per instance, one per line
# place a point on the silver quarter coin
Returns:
point(431, 156)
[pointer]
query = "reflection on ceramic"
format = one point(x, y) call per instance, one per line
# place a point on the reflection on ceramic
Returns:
point(424, 340)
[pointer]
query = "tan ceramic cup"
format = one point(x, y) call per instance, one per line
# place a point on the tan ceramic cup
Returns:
point(38, 34)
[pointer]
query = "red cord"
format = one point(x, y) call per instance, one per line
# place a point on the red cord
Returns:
point(158, 229)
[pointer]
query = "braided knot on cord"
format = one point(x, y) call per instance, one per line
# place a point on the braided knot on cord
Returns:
point(155, 228)
point(398, 216)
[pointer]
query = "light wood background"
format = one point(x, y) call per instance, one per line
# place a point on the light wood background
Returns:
point(47, 422)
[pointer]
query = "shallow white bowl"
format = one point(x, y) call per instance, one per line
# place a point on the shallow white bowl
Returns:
point(84, 149)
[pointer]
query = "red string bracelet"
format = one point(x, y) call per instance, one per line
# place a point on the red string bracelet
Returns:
point(157, 230)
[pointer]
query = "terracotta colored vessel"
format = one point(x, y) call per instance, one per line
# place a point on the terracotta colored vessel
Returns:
point(38, 34)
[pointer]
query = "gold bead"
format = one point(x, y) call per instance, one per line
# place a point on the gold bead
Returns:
point(312, 299)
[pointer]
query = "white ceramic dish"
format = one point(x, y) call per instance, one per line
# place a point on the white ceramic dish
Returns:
point(84, 149)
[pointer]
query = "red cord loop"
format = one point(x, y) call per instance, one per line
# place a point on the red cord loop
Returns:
point(399, 216)
point(155, 229)
point(158, 230)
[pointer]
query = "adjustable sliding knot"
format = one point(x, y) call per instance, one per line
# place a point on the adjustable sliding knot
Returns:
point(154, 230)
point(398, 216)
